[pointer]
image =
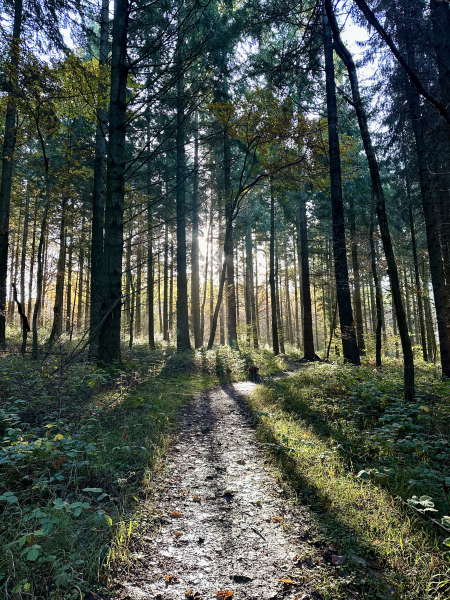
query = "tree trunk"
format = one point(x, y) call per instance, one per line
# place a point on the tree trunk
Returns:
point(229, 250)
point(40, 269)
point(195, 269)
point(349, 345)
point(99, 195)
point(60, 278)
point(9, 142)
point(248, 280)
point(267, 301)
point(80, 279)
point(273, 293)
point(32, 259)
point(109, 336)
point(279, 308)
point(440, 16)
point(307, 325)
point(69, 284)
point(379, 308)
point(24, 246)
point(183, 341)
point(408, 359)
point(418, 286)
point(150, 270)
point(433, 242)
point(166, 285)
point(356, 279)
point(205, 289)
point(138, 327)
point(171, 288)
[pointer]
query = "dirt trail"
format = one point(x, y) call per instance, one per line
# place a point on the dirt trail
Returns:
point(224, 524)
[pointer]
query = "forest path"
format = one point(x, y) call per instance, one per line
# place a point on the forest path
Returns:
point(224, 524)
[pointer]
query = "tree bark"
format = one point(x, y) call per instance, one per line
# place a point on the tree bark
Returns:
point(109, 336)
point(24, 246)
point(309, 353)
point(150, 271)
point(40, 266)
point(229, 250)
point(60, 277)
point(9, 143)
point(356, 279)
point(273, 293)
point(431, 228)
point(99, 194)
point(166, 285)
point(377, 188)
point(32, 259)
point(195, 268)
point(418, 286)
point(379, 307)
point(68, 318)
point(183, 341)
point(279, 308)
point(349, 345)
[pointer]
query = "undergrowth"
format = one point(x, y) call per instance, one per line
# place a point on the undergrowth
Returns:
point(80, 446)
point(372, 469)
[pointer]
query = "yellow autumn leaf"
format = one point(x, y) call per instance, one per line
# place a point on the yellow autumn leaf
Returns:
point(58, 438)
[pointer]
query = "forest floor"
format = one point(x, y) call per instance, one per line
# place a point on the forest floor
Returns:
point(172, 476)
point(258, 500)
point(223, 525)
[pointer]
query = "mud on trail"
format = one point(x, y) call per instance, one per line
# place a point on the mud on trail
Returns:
point(222, 522)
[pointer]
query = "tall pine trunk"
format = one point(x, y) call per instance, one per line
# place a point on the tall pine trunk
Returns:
point(99, 195)
point(431, 227)
point(273, 292)
point(307, 325)
point(60, 277)
point(195, 268)
point(377, 188)
point(109, 336)
point(24, 246)
point(183, 341)
point(356, 280)
point(348, 335)
point(9, 143)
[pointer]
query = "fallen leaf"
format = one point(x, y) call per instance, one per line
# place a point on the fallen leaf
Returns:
point(241, 461)
point(288, 581)
point(338, 560)
point(175, 514)
point(225, 594)
point(124, 434)
point(196, 498)
point(277, 519)
point(178, 533)
point(170, 579)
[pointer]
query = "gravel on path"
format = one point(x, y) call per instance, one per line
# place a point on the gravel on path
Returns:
point(225, 528)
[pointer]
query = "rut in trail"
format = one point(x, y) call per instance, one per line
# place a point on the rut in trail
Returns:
point(224, 524)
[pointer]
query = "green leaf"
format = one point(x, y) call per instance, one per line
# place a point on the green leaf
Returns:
point(9, 497)
point(363, 475)
point(95, 490)
point(33, 552)
point(446, 542)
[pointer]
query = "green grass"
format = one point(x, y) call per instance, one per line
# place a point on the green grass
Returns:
point(326, 425)
point(80, 448)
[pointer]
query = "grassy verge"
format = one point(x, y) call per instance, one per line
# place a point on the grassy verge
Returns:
point(353, 452)
point(80, 446)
